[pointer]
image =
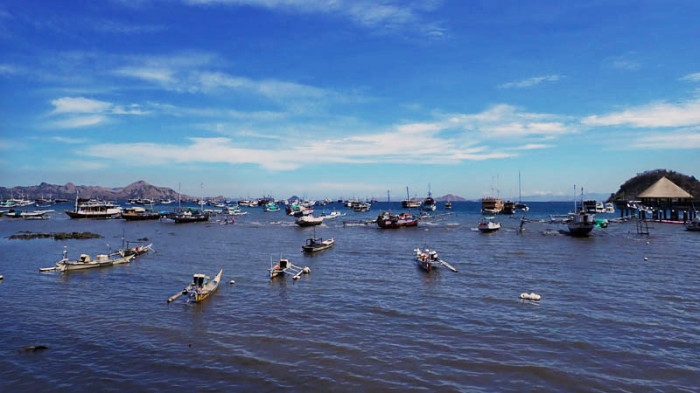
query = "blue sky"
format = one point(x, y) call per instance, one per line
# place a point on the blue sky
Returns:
point(348, 98)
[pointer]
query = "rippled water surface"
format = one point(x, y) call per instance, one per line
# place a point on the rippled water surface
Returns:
point(365, 319)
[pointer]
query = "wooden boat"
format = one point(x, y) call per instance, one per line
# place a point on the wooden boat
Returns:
point(271, 207)
point(139, 214)
point(94, 209)
point(200, 288)
point(694, 225)
point(508, 207)
point(428, 260)
point(101, 260)
point(488, 225)
point(387, 220)
point(409, 203)
point(315, 244)
point(310, 220)
point(284, 266)
point(491, 205)
point(581, 223)
point(190, 215)
point(135, 251)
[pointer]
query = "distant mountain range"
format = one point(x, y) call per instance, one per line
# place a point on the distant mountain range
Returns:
point(142, 189)
point(139, 189)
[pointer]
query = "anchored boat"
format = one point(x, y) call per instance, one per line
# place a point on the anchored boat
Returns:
point(315, 244)
point(487, 224)
point(284, 266)
point(101, 260)
point(429, 260)
point(391, 221)
point(200, 288)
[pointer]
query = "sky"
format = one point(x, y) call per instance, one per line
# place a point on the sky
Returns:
point(348, 98)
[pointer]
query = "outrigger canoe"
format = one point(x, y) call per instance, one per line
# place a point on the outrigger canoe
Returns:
point(200, 288)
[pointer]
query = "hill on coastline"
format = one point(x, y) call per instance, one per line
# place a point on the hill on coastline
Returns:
point(636, 185)
point(139, 189)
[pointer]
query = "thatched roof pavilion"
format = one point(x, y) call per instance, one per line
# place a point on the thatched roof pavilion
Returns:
point(664, 189)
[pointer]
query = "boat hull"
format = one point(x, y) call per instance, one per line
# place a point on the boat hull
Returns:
point(74, 214)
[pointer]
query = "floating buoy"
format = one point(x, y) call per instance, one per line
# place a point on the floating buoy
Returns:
point(307, 270)
point(530, 296)
point(646, 259)
point(1, 277)
point(232, 282)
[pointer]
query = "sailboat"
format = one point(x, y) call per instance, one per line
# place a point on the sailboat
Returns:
point(520, 205)
point(408, 203)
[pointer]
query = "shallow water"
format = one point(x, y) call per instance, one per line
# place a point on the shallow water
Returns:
point(365, 319)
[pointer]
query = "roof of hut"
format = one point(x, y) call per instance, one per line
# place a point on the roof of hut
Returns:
point(664, 188)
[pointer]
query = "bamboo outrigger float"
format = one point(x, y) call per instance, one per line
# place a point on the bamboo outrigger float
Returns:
point(284, 266)
point(200, 288)
point(428, 260)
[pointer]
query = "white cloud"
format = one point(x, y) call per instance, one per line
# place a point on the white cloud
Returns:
point(79, 105)
point(384, 15)
point(651, 116)
point(78, 112)
point(623, 62)
point(79, 121)
point(667, 140)
point(692, 77)
point(531, 82)
point(502, 120)
point(533, 146)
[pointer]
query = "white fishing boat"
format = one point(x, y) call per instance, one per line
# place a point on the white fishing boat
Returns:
point(428, 260)
point(487, 224)
point(200, 288)
point(310, 220)
point(94, 209)
point(84, 262)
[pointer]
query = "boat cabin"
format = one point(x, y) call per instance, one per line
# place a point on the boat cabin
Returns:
point(84, 258)
point(198, 280)
point(284, 263)
point(312, 241)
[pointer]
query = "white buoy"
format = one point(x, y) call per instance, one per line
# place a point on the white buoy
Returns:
point(530, 296)
point(1, 277)
point(646, 259)
point(232, 282)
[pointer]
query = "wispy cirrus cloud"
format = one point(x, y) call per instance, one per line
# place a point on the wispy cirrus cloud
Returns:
point(530, 82)
point(692, 77)
point(687, 139)
point(80, 112)
point(652, 115)
point(383, 15)
point(625, 62)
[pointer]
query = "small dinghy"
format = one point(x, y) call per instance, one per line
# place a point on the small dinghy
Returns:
point(429, 260)
point(200, 288)
point(284, 266)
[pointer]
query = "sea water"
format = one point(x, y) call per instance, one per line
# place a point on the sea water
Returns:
point(619, 311)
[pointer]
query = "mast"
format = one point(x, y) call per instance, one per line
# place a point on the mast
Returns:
point(388, 195)
point(408, 197)
point(520, 194)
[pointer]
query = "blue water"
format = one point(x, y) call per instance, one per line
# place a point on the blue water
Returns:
point(365, 319)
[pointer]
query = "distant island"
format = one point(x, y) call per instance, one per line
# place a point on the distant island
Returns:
point(139, 189)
